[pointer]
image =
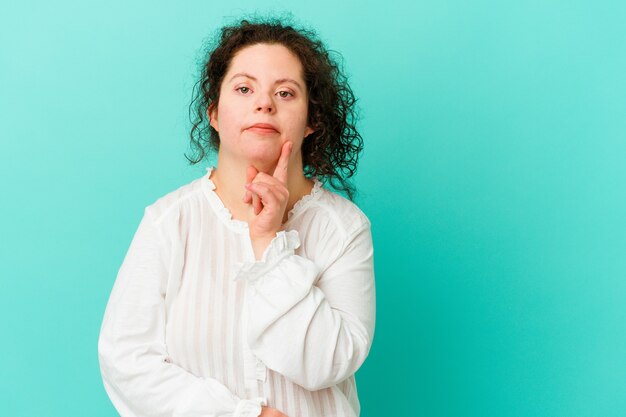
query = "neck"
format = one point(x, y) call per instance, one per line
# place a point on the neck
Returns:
point(229, 178)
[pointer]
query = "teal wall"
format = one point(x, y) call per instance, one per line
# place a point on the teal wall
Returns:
point(494, 175)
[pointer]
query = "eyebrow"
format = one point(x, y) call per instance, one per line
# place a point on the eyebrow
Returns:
point(282, 80)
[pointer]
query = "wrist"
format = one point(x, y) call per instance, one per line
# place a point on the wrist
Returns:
point(260, 244)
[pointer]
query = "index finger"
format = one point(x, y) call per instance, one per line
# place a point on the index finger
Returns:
point(280, 172)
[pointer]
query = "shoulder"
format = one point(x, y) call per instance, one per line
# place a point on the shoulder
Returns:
point(347, 214)
point(330, 227)
point(338, 215)
point(175, 200)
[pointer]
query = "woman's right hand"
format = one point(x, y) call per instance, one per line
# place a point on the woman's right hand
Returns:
point(271, 412)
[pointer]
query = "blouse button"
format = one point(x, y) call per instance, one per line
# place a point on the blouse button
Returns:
point(261, 371)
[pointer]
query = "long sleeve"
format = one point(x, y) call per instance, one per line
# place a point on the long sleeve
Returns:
point(316, 328)
point(137, 373)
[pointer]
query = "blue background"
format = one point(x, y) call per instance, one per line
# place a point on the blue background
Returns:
point(493, 175)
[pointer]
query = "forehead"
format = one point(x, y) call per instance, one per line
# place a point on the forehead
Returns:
point(266, 61)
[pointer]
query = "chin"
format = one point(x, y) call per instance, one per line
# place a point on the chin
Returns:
point(263, 156)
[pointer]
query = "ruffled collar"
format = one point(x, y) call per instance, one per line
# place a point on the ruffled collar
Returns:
point(241, 226)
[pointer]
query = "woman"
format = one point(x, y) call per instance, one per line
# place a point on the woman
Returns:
point(250, 291)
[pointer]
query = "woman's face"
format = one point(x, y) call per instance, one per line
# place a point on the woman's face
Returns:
point(263, 84)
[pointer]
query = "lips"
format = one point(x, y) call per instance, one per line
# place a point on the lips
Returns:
point(263, 128)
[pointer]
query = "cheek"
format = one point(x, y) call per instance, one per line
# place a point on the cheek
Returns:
point(299, 119)
point(228, 119)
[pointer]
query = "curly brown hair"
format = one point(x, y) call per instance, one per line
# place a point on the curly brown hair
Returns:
point(331, 152)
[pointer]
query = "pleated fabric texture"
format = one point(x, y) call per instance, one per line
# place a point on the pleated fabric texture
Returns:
point(195, 326)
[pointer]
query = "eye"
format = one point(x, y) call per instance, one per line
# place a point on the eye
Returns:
point(241, 88)
point(285, 94)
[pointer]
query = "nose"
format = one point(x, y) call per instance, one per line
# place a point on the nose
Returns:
point(264, 103)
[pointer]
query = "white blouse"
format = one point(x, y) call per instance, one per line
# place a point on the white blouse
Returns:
point(196, 327)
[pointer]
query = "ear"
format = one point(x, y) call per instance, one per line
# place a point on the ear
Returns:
point(308, 131)
point(212, 115)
